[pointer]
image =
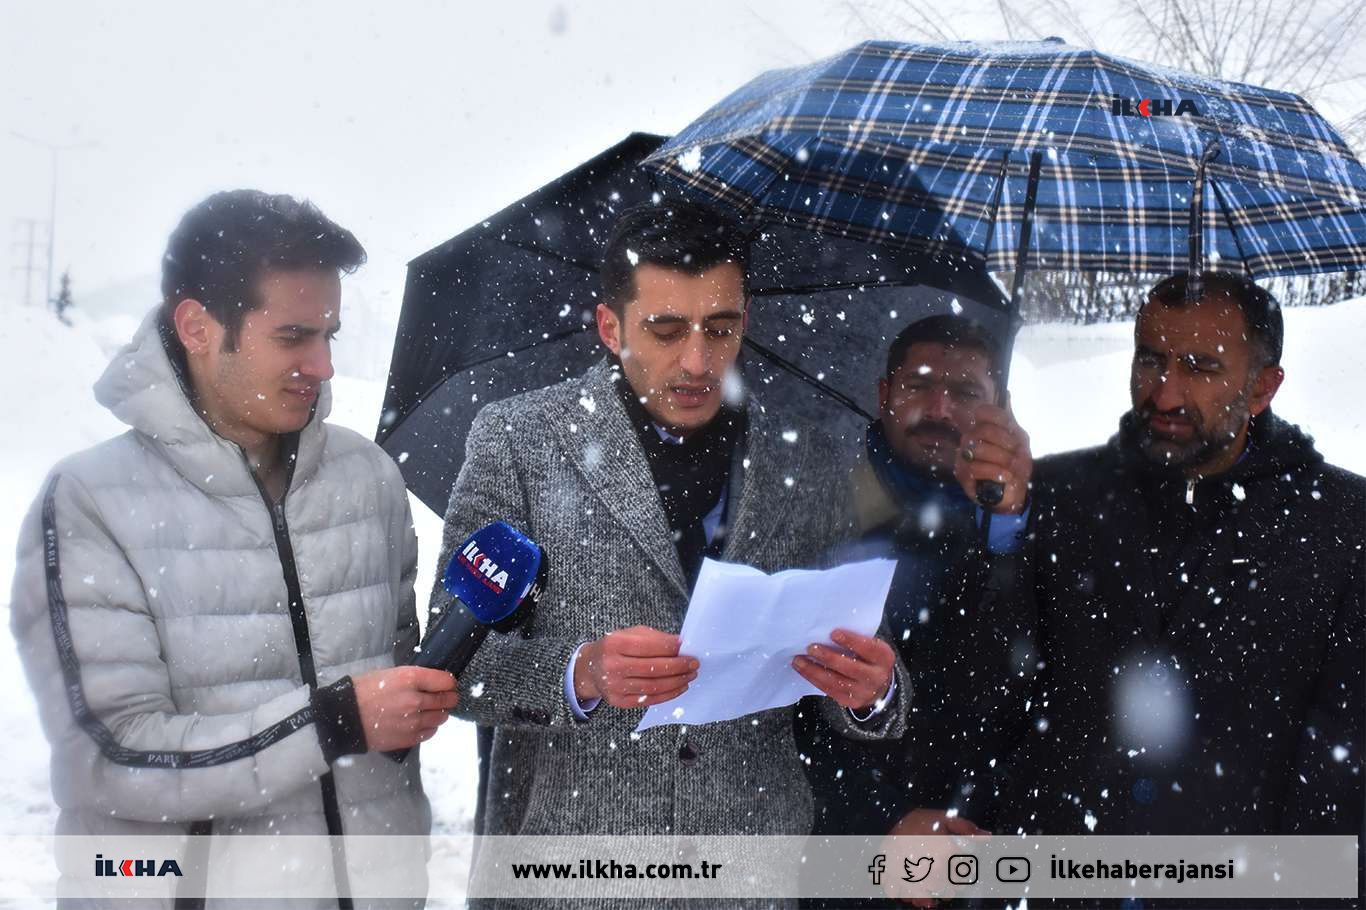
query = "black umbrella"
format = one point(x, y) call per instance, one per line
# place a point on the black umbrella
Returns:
point(507, 306)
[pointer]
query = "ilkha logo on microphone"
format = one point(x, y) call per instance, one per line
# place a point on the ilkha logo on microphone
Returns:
point(1152, 107)
point(483, 567)
point(135, 867)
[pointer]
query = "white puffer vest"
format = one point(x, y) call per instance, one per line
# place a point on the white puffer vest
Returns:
point(172, 624)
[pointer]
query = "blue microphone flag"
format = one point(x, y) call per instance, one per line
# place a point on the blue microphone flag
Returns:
point(493, 571)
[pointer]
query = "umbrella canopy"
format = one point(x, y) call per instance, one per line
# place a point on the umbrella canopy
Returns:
point(508, 305)
point(929, 146)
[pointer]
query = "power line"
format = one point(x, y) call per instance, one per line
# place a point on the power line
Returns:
point(28, 226)
point(54, 149)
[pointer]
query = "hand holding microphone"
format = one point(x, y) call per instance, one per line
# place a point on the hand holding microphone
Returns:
point(495, 578)
point(403, 706)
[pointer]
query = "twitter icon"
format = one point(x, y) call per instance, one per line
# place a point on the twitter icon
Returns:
point(916, 871)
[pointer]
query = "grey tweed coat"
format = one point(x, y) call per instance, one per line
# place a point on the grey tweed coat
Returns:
point(564, 465)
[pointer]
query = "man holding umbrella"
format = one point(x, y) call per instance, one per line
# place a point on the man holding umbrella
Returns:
point(1198, 582)
point(628, 476)
point(937, 435)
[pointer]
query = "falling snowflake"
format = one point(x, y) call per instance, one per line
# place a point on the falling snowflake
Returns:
point(691, 160)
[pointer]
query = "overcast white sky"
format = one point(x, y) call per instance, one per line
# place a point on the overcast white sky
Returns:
point(405, 121)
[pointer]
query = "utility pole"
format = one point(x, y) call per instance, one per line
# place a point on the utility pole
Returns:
point(53, 149)
point(29, 226)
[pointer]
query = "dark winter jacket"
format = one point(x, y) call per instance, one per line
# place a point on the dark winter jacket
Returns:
point(944, 615)
point(1201, 645)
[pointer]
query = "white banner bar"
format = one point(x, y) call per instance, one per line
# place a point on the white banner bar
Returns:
point(684, 867)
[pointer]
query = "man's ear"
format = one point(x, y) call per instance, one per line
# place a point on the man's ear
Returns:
point(884, 393)
point(192, 326)
point(609, 328)
point(1264, 388)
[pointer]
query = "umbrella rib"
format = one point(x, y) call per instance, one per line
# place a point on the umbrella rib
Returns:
point(996, 195)
point(550, 254)
point(782, 362)
point(1228, 217)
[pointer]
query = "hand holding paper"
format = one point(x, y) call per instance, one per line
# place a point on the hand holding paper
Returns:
point(746, 628)
point(857, 674)
point(633, 668)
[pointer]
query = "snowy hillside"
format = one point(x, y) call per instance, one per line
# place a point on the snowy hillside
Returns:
point(1069, 387)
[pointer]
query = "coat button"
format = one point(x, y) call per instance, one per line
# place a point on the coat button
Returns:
point(687, 754)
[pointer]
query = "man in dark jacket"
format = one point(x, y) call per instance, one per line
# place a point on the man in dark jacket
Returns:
point(938, 432)
point(1198, 584)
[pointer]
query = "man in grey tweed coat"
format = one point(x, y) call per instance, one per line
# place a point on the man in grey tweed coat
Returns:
point(627, 477)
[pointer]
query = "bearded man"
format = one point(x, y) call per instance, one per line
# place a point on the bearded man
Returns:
point(1197, 584)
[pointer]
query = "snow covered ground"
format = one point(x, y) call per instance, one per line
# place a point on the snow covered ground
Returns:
point(1070, 384)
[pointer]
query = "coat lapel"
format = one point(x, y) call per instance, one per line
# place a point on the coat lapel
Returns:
point(765, 494)
point(598, 438)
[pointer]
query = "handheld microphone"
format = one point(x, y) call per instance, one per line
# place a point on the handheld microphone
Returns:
point(496, 578)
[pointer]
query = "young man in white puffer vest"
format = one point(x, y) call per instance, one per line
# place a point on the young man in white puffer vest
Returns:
point(210, 606)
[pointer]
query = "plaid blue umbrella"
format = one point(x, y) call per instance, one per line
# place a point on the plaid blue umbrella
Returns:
point(930, 146)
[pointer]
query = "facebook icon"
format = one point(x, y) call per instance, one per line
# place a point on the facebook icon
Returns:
point(876, 869)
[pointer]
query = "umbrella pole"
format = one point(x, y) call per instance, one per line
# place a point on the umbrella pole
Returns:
point(1195, 266)
point(989, 492)
point(1022, 251)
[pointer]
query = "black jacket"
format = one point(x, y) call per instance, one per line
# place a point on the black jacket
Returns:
point(946, 617)
point(1200, 646)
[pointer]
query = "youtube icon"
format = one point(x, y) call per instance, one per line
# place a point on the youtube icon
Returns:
point(1012, 869)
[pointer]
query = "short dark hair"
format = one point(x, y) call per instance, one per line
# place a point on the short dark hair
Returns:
point(947, 329)
point(222, 246)
point(675, 234)
point(1261, 311)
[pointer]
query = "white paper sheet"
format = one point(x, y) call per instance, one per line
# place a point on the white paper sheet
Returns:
point(745, 627)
